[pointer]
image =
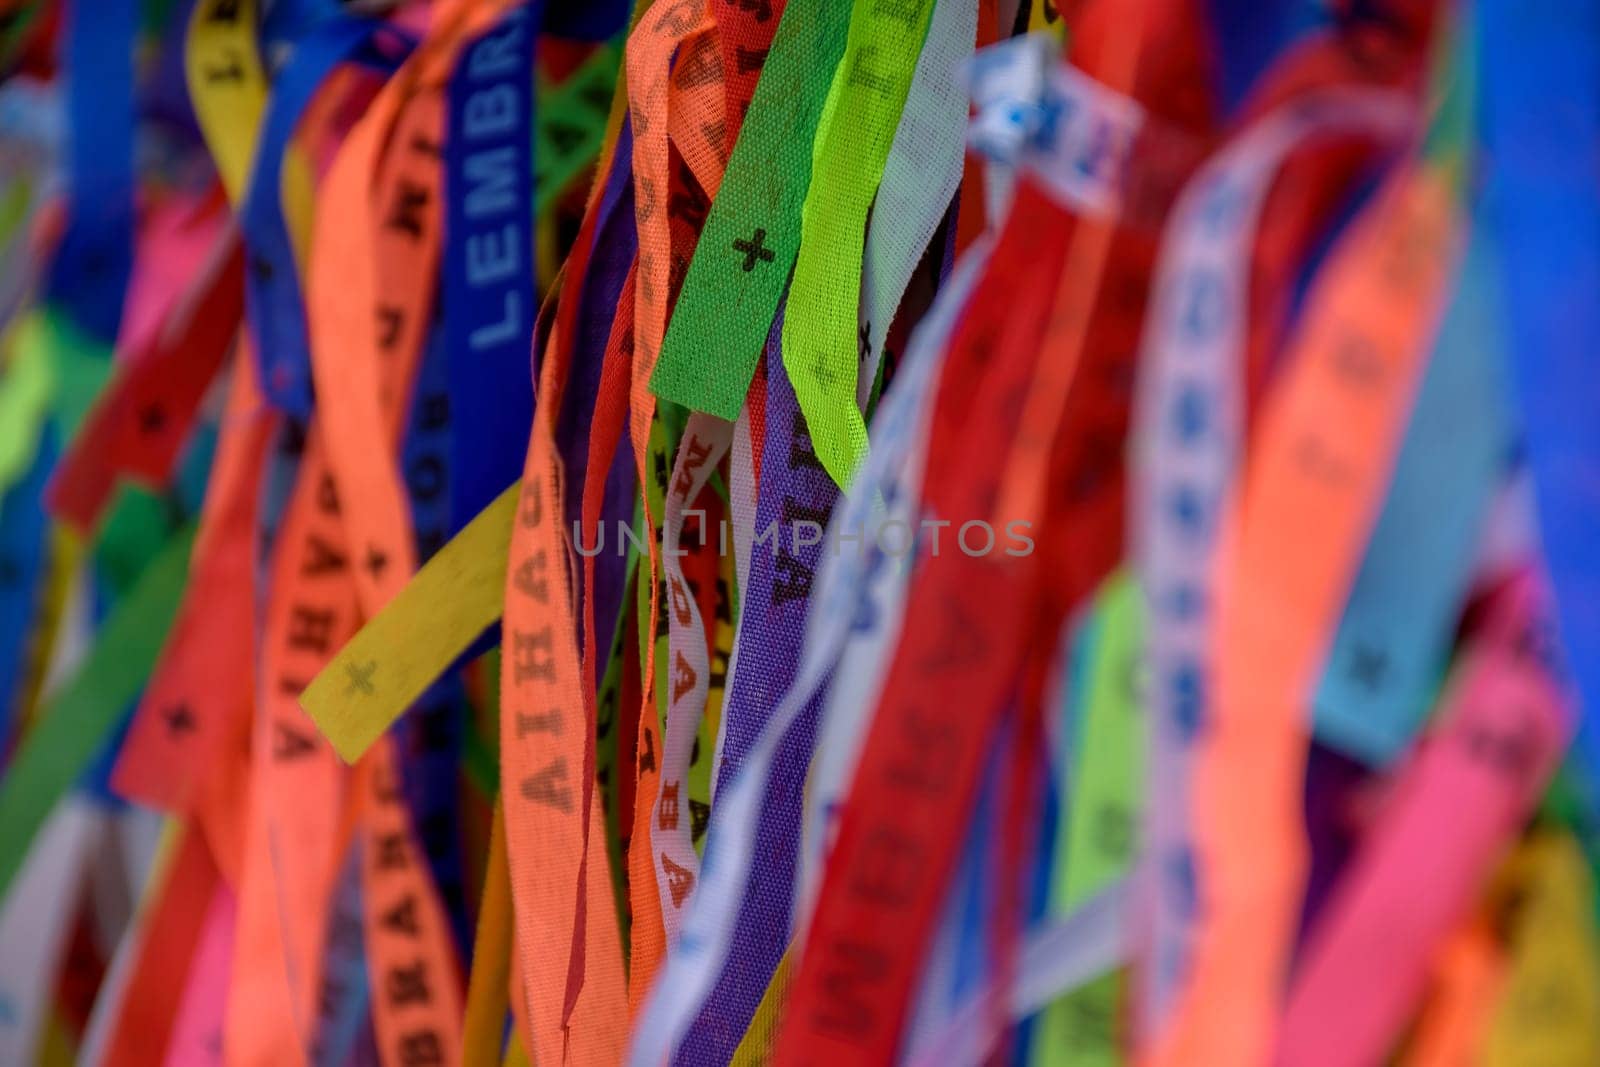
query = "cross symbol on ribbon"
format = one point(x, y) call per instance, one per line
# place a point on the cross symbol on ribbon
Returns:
point(754, 249)
point(360, 675)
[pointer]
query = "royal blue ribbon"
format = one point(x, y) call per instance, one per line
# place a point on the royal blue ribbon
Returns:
point(487, 277)
point(89, 274)
point(430, 733)
point(23, 523)
point(273, 303)
point(591, 20)
point(1539, 112)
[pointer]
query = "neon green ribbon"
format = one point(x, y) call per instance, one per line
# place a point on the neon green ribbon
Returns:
point(26, 390)
point(819, 326)
point(1099, 832)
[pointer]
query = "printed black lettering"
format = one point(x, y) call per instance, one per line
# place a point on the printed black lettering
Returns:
point(761, 10)
point(926, 761)
point(550, 786)
point(311, 630)
point(402, 918)
point(698, 65)
point(791, 579)
point(862, 74)
point(435, 412)
point(548, 723)
point(531, 510)
point(408, 985)
point(321, 557)
point(852, 967)
point(533, 656)
point(231, 69)
point(392, 853)
point(531, 579)
point(891, 868)
point(425, 476)
point(289, 743)
point(406, 213)
point(180, 720)
point(422, 1049)
point(749, 60)
point(391, 320)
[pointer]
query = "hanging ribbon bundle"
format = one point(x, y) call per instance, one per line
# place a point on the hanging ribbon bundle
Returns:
point(799, 531)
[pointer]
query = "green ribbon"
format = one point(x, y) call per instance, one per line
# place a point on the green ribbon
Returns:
point(752, 232)
point(78, 718)
point(571, 125)
point(819, 327)
point(1097, 839)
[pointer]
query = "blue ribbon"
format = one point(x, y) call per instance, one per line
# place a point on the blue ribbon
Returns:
point(273, 302)
point(488, 264)
point(1249, 35)
point(1539, 114)
point(89, 275)
point(589, 20)
point(431, 732)
point(23, 524)
point(1397, 628)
